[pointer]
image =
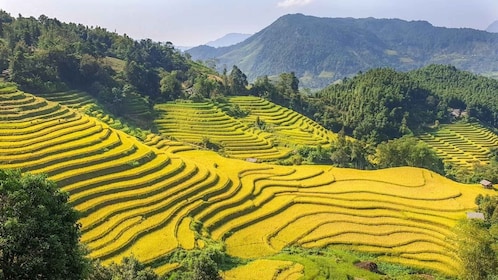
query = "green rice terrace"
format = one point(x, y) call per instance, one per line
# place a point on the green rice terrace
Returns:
point(134, 105)
point(462, 144)
point(155, 197)
point(268, 132)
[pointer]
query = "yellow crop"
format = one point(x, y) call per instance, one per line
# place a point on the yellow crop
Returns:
point(265, 270)
point(140, 199)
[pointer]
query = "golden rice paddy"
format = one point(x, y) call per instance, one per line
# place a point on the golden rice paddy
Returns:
point(141, 199)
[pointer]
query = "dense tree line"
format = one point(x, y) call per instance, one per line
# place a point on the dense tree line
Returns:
point(475, 94)
point(378, 105)
point(46, 55)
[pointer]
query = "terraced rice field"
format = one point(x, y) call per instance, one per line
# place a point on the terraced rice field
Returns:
point(462, 144)
point(404, 213)
point(192, 122)
point(239, 138)
point(134, 106)
point(289, 127)
point(125, 190)
point(139, 199)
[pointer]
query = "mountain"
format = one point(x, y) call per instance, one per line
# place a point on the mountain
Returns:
point(323, 50)
point(228, 40)
point(493, 27)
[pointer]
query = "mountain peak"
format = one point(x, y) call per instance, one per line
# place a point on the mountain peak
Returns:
point(493, 28)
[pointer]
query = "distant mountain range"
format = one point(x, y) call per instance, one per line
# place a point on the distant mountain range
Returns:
point(228, 40)
point(323, 50)
point(493, 27)
point(225, 41)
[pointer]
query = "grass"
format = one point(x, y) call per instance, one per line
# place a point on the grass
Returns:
point(325, 264)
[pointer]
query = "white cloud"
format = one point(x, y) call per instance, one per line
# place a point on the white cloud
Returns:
point(293, 3)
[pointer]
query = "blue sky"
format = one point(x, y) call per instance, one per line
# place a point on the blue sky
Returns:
point(193, 22)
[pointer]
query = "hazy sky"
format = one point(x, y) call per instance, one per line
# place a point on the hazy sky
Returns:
point(193, 22)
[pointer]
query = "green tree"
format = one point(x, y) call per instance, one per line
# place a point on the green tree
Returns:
point(39, 233)
point(350, 152)
point(264, 88)
point(4, 56)
point(477, 242)
point(288, 89)
point(475, 250)
point(199, 264)
point(238, 81)
point(407, 151)
point(204, 268)
point(170, 86)
point(129, 269)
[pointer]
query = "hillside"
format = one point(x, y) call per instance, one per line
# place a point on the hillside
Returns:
point(141, 200)
point(322, 50)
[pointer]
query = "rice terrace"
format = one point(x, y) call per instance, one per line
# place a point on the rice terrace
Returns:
point(175, 170)
point(142, 200)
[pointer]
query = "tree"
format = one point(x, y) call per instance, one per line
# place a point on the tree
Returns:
point(475, 250)
point(39, 233)
point(407, 151)
point(199, 264)
point(129, 269)
point(237, 81)
point(170, 87)
point(476, 241)
point(288, 89)
point(204, 268)
point(4, 56)
point(288, 83)
point(349, 152)
point(264, 88)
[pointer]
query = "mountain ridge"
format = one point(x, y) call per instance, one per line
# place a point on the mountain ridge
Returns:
point(323, 50)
